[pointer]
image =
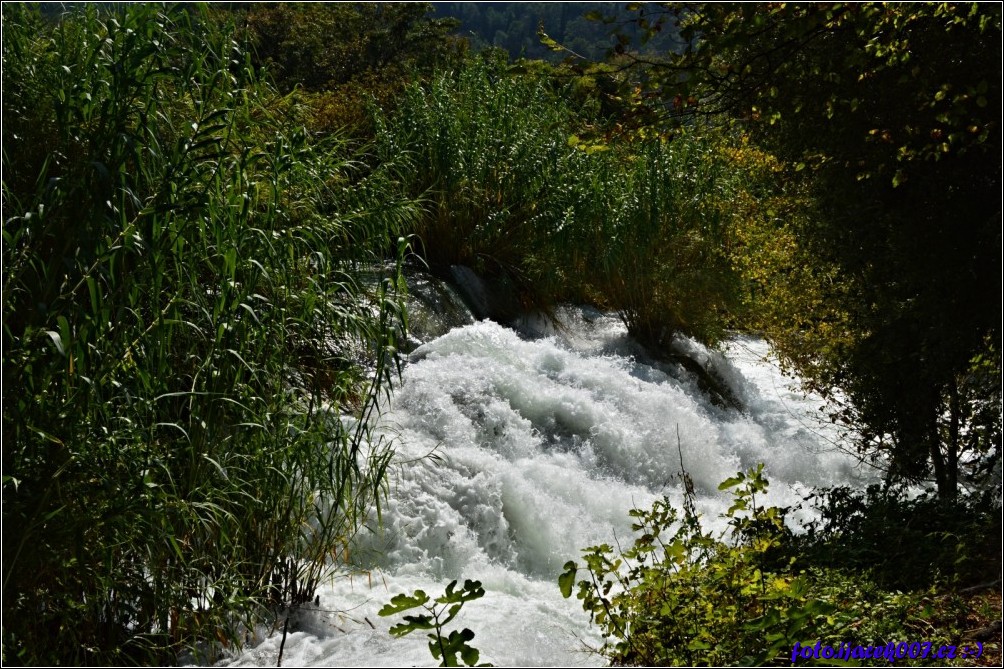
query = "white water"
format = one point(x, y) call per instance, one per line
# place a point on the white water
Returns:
point(538, 449)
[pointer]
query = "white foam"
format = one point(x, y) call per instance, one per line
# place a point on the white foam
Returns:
point(540, 448)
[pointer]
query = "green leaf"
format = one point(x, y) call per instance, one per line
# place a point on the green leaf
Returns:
point(469, 654)
point(92, 289)
point(56, 340)
point(738, 505)
point(731, 482)
point(404, 602)
point(456, 644)
point(547, 41)
point(412, 623)
point(567, 579)
point(472, 590)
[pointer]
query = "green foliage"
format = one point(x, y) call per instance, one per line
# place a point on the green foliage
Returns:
point(682, 596)
point(185, 329)
point(345, 57)
point(488, 153)
point(640, 227)
point(321, 45)
point(889, 115)
point(658, 234)
point(514, 26)
point(904, 542)
point(443, 648)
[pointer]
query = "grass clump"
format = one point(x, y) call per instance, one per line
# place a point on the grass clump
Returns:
point(488, 153)
point(656, 235)
point(641, 226)
point(185, 327)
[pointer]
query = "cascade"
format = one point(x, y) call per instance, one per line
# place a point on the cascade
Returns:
point(516, 448)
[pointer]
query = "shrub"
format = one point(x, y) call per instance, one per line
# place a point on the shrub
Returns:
point(488, 153)
point(659, 240)
point(682, 596)
point(510, 190)
point(905, 542)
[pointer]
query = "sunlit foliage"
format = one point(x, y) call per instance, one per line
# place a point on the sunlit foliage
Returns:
point(190, 349)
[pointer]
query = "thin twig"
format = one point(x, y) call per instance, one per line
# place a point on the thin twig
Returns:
point(981, 586)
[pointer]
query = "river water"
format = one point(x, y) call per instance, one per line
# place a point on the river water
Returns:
point(514, 451)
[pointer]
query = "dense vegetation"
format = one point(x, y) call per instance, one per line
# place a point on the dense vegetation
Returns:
point(344, 59)
point(683, 595)
point(640, 227)
point(183, 322)
point(195, 201)
point(889, 117)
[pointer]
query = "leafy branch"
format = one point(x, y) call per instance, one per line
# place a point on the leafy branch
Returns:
point(439, 614)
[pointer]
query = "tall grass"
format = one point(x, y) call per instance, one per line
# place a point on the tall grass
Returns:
point(660, 241)
point(189, 351)
point(489, 154)
point(641, 227)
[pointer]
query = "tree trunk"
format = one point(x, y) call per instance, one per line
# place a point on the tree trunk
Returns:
point(952, 457)
point(940, 466)
point(945, 452)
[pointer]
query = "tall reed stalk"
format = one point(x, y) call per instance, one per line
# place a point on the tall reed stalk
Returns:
point(190, 352)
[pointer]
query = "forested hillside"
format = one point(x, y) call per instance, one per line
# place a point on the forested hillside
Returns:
point(577, 26)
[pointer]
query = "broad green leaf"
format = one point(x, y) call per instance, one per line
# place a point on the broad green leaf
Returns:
point(732, 481)
point(567, 579)
point(403, 602)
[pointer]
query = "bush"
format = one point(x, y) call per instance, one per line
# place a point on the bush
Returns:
point(658, 235)
point(183, 325)
point(488, 152)
point(682, 596)
point(905, 542)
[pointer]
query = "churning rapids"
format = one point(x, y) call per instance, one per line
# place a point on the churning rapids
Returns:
point(515, 451)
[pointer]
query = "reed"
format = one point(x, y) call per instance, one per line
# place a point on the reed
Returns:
point(660, 242)
point(488, 152)
point(641, 227)
point(191, 351)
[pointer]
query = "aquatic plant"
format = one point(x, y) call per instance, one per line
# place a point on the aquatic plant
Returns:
point(190, 348)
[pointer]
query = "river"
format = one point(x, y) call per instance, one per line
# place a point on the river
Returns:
point(515, 450)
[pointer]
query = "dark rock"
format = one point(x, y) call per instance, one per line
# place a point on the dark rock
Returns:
point(712, 385)
point(490, 297)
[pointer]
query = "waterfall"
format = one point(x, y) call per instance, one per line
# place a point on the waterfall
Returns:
point(516, 449)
